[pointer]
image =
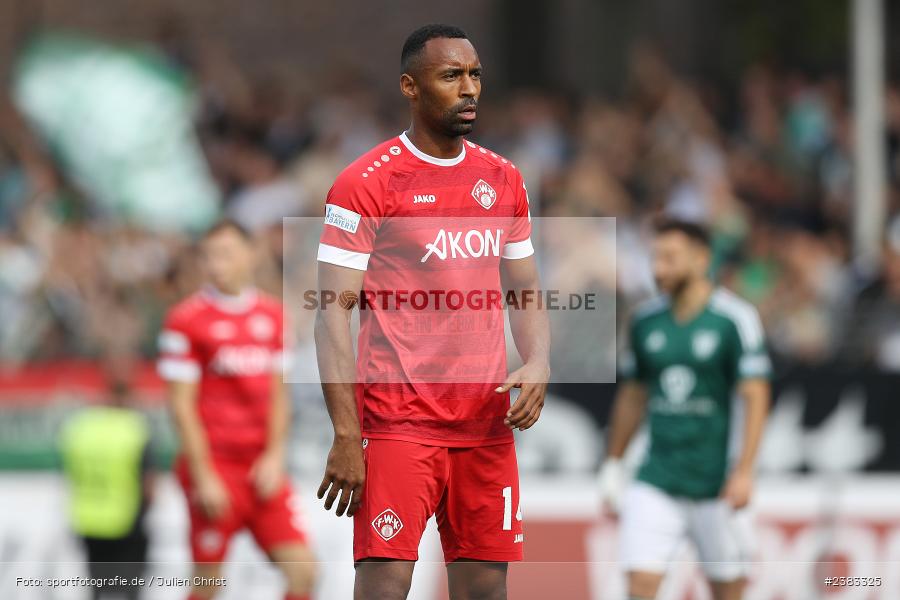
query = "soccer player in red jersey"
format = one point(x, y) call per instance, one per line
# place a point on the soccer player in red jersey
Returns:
point(223, 353)
point(425, 232)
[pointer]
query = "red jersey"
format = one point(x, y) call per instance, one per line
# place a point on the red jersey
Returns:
point(430, 234)
point(230, 346)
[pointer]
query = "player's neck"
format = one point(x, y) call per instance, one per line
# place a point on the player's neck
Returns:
point(230, 292)
point(231, 300)
point(434, 144)
point(691, 300)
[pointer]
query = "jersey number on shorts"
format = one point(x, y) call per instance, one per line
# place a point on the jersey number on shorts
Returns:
point(507, 509)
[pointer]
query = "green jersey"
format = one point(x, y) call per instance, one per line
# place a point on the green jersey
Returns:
point(691, 370)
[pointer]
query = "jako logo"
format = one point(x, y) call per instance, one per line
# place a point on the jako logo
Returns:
point(420, 198)
point(456, 243)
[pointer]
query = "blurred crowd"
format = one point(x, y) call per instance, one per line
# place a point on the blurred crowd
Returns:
point(767, 165)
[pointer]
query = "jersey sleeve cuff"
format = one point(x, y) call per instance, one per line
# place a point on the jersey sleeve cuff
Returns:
point(753, 366)
point(178, 369)
point(515, 250)
point(626, 368)
point(343, 258)
point(173, 342)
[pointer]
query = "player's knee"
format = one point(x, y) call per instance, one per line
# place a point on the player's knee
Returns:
point(387, 589)
point(383, 580)
point(643, 586)
point(478, 581)
point(485, 590)
point(298, 565)
point(727, 590)
point(300, 576)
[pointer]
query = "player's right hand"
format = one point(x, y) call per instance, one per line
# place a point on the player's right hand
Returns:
point(211, 495)
point(345, 474)
point(611, 485)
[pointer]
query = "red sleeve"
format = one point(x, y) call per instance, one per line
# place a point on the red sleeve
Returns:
point(518, 245)
point(178, 356)
point(353, 211)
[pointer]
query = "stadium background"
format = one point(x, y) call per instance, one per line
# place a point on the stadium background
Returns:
point(739, 114)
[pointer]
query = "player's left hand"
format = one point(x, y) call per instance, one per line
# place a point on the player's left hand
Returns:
point(267, 473)
point(738, 488)
point(531, 379)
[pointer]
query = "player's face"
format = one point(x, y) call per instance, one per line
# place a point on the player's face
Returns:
point(447, 84)
point(228, 259)
point(677, 260)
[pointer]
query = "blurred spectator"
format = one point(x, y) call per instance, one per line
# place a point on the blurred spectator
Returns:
point(264, 195)
point(874, 331)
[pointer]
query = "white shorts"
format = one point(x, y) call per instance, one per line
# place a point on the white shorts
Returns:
point(654, 524)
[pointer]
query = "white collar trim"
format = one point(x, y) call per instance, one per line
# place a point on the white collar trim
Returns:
point(441, 162)
point(228, 303)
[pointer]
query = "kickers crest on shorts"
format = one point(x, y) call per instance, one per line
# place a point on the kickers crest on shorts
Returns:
point(387, 524)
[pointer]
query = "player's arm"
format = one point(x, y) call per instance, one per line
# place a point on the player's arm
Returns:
point(753, 369)
point(268, 471)
point(353, 211)
point(630, 403)
point(756, 395)
point(279, 416)
point(345, 470)
point(628, 411)
point(530, 327)
point(211, 493)
point(629, 408)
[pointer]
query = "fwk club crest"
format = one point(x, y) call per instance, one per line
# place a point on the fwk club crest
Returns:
point(704, 343)
point(387, 524)
point(484, 194)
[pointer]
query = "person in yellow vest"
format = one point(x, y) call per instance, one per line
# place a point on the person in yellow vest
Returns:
point(106, 458)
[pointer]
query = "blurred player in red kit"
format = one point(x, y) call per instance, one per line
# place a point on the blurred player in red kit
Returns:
point(425, 230)
point(222, 351)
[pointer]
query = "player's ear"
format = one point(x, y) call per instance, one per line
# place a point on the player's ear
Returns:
point(408, 86)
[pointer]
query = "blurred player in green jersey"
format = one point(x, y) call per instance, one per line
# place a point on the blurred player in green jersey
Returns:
point(695, 367)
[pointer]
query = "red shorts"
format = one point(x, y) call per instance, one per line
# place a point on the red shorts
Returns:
point(274, 521)
point(474, 493)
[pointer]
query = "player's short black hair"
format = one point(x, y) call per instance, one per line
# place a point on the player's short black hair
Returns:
point(228, 224)
point(694, 231)
point(418, 38)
